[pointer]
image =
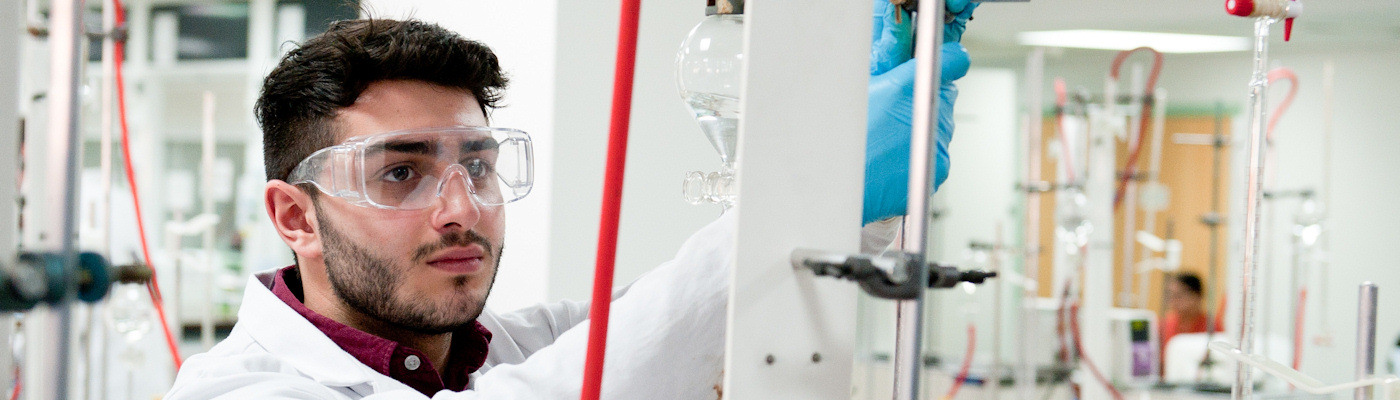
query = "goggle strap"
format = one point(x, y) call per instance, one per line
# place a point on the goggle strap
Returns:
point(341, 162)
point(525, 158)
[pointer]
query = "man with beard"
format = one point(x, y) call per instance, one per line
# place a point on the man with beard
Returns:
point(387, 182)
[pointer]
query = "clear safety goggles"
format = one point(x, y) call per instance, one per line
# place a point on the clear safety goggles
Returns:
point(408, 170)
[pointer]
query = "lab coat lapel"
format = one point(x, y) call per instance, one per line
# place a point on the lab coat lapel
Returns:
point(274, 325)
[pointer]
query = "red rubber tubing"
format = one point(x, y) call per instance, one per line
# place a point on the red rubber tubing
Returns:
point(1146, 114)
point(14, 393)
point(153, 286)
point(1281, 73)
point(1298, 327)
point(612, 199)
point(966, 364)
point(1074, 326)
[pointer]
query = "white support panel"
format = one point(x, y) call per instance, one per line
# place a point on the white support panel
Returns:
point(801, 171)
point(1098, 268)
point(10, 16)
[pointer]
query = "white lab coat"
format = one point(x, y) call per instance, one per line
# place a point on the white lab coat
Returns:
point(665, 341)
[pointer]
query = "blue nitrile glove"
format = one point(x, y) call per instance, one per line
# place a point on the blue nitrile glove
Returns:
point(891, 105)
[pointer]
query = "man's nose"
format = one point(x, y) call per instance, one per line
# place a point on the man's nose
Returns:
point(457, 204)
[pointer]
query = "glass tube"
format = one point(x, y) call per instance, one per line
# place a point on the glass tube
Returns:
point(1244, 387)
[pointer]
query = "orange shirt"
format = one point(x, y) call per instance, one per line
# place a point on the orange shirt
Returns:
point(1172, 325)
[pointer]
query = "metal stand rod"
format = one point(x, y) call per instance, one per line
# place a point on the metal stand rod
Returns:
point(995, 265)
point(1128, 265)
point(1244, 382)
point(66, 59)
point(1323, 270)
point(922, 148)
point(50, 372)
point(206, 320)
point(1214, 221)
point(1025, 369)
point(1154, 174)
point(97, 363)
point(1366, 338)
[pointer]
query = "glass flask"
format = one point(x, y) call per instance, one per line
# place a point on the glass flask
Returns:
point(130, 314)
point(1072, 221)
point(1309, 255)
point(709, 70)
point(128, 311)
point(1308, 223)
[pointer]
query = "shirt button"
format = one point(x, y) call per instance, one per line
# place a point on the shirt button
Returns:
point(412, 362)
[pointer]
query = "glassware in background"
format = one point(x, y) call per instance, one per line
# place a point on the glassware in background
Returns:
point(709, 71)
point(129, 314)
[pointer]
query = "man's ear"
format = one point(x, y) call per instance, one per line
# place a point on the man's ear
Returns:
point(294, 216)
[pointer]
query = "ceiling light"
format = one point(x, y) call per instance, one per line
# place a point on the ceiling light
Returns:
point(1127, 40)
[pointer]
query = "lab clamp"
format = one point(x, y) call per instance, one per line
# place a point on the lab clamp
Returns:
point(42, 277)
point(888, 277)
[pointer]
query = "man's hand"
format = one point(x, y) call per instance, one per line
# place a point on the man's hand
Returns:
point(892, 103)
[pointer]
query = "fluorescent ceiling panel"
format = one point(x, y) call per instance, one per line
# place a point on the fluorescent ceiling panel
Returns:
point(1126, 40)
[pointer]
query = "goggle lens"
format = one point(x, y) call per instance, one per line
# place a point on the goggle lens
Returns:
point(409, 171)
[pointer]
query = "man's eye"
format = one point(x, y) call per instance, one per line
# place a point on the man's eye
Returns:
point(400, 173)
point(477, 167)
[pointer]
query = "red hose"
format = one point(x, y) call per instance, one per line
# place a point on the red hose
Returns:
point(14, 393)
point(1274, 75)
point(1061, 327)
point(1074, 326)
point(1298, 327)
point(612, 199)
point(966, 364)
point(153, 287)
point(1284, 73)
point(1130, 169)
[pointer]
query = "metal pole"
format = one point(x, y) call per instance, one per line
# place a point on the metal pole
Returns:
point(1214, 219)
point(1128, 265)
point(1366, 337)
point(1154, 174)
point(66, 35)
point(206, 320)
point(1025, 370)
point(97, 363)
point(922, 148)
point(1323, 270)
point(1259, 84)
point(994, 382)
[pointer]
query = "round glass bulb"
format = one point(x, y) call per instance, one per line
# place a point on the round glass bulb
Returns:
point(129, 312)
point(709, 70)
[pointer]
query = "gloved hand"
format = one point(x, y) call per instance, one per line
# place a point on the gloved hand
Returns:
point(891, 104)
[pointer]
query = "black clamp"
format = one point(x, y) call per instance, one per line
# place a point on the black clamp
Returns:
point(912, 6)
point(43, 277)
point(1046, 187)
point(886, 277)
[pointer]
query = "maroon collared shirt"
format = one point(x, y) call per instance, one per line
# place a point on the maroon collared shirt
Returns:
point(405, 364)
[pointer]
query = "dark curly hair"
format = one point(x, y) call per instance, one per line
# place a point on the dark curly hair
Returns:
point(328, 72)
point(1191, 282)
